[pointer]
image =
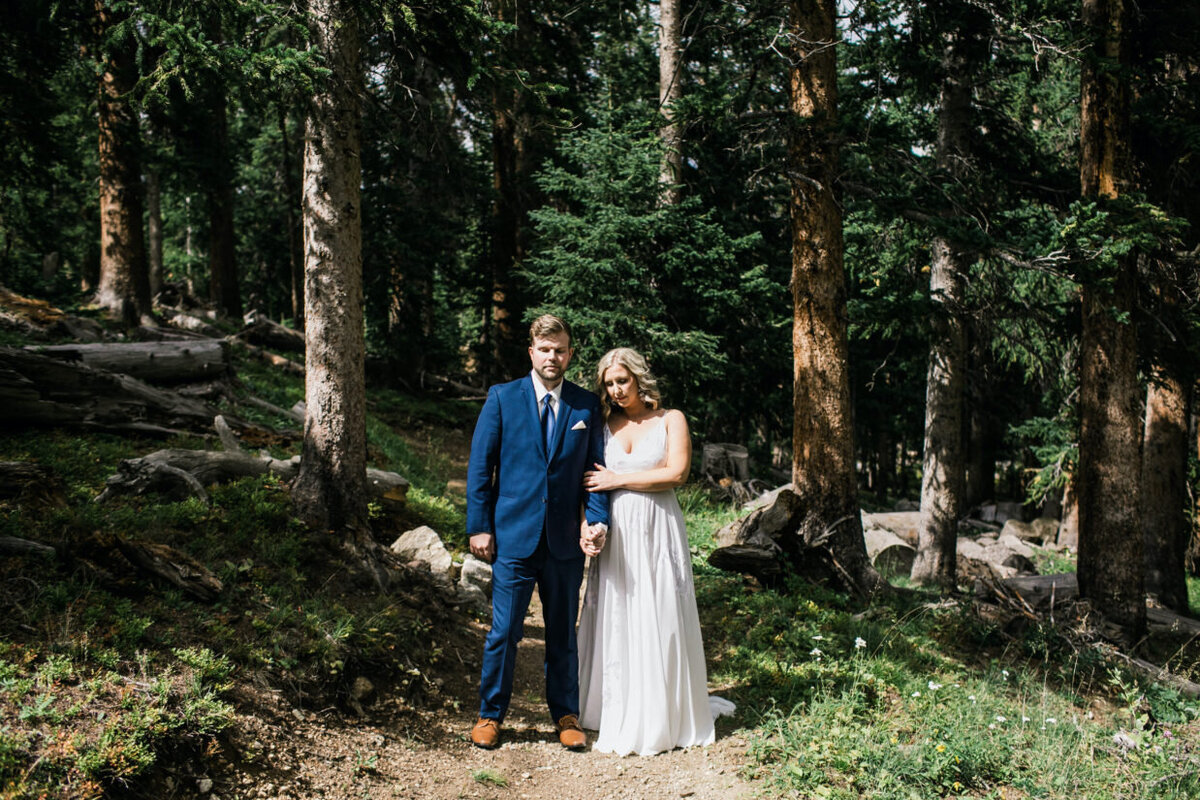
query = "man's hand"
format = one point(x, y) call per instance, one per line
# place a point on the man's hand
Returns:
point(483, 546)
point(592, 539)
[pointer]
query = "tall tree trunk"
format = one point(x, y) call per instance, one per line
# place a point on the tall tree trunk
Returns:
point(124, 284)
point(330, 492)
point(670, 82)
point(292, 192)
point(943, 470)
point(511, 168)
point(154, 230)
point(222, 258)
point(822, 433)
point(1110, 533)
point(1165, 524)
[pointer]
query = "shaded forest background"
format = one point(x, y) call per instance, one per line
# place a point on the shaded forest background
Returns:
point(640, 168)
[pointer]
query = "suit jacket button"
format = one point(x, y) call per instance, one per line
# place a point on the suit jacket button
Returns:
point(543, 500)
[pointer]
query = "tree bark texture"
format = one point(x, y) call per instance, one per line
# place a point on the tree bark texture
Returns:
point(822, 437)
point(943, 474)
point(124, 284)
point(512, 167)
point(329, 492)
point(154, 231)
point(670, 83)
point(292, 191)
point(1110, 563)
point(1165, 525)
point(223, 286)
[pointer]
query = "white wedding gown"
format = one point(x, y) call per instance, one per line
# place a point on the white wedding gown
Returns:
point(642, 679)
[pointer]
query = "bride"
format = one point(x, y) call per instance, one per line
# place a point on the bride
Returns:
point(642, 677)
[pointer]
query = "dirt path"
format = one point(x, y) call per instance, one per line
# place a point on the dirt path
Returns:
point(395, 751)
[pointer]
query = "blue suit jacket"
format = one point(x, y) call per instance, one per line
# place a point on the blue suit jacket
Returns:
point(515, 488)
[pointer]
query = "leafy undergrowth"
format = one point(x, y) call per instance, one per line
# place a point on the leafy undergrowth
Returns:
point(103, 674)
point(914, 697)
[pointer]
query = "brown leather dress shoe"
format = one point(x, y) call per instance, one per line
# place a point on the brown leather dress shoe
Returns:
point(570, 734)
point(486, 733)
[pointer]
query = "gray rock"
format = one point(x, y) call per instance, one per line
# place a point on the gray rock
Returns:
point(1015, 544)
point(1021, 530)
point(477, 574)
point(423, 544)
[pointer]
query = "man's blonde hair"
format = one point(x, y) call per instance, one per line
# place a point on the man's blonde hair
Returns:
point(635, 362)
point(548, 325)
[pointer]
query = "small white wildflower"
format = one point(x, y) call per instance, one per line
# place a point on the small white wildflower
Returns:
point(916, 694)
point(933, 687)
point(860, 643)
point(991, 726)
point(1004, 672)
point(816, 651)
point(1051, 721)
point(1090, 715)
point(1000, 718)
point(1024, 719)
point(971, 698)
point(818, 638)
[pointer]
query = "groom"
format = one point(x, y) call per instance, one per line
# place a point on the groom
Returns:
point(534, 439)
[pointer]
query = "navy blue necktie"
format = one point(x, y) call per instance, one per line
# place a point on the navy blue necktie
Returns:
point(547, 422)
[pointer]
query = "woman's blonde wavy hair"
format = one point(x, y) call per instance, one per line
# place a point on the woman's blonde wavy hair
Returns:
point(635, 362)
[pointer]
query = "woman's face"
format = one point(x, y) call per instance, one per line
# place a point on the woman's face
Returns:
point(621, 386)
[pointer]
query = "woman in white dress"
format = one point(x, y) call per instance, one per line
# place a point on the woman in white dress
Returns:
point(642, 679)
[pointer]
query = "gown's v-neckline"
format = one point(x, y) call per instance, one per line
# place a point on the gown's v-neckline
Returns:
point(662, 419)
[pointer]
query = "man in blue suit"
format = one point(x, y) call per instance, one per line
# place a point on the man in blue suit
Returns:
point(534, 438)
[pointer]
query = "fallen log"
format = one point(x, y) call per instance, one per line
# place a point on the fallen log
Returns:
point(178, 569)
point(266, 332)
point(180, 474)
point(160, 362)
point(32, 484)
point(39, 390)
point(267, 356)
point(890, 554)
point(15, 545)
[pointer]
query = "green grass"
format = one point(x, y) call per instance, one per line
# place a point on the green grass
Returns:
point(912, 699)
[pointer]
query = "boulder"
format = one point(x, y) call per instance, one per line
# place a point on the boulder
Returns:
point(902, 523)
point(476, 574)
point(1046, 528)
point(904, 504)
point(423, 544)
point(1015, 544)
point(1021, 530)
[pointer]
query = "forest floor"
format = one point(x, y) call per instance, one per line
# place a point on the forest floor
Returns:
point(397, 751)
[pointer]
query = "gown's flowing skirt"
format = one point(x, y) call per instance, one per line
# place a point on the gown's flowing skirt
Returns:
point(643, 683)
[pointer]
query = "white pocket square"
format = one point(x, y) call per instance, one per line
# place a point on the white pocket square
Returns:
point(579, 426)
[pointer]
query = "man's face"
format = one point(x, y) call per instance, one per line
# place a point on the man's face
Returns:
point(550, 356)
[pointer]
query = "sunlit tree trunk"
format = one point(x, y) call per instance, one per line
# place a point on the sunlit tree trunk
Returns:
point(823, 442)
point(944, 466)
point(1110, 532)
point(124, 283)
point(1165, 525)
point(670, 77)
point(329, 492)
